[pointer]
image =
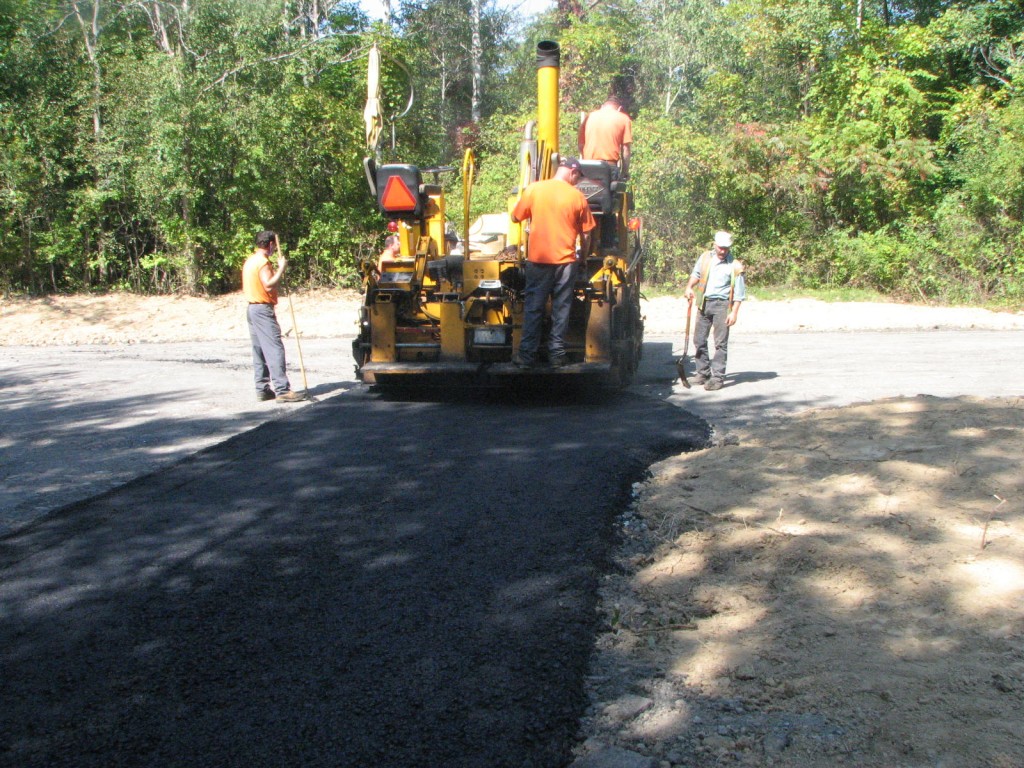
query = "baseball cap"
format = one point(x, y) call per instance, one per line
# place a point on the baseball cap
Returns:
point(570, 162)
point(723, 239)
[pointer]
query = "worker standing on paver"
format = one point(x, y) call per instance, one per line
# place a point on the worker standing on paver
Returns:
point(559, 218)
point(607, 134)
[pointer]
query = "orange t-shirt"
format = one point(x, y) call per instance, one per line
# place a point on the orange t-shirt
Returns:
point(559, 214)
point(604, 133)
point(252, 285)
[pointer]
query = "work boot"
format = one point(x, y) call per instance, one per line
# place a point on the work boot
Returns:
point(523, 362)
point(699, 378)
point(714, 384)
point(558, 361)
point(265, 394)
point(291, 397)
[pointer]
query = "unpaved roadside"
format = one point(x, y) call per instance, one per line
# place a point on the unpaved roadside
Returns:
point(845, 587)
point(129, 319)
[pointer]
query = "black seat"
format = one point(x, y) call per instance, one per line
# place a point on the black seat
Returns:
point(596, 184)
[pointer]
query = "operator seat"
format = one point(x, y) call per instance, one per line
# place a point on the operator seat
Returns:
point(596, 184)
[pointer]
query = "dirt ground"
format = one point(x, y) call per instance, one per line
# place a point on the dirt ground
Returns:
point(128, 319)
point(841, 588)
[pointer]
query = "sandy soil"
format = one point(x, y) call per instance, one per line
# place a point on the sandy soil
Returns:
point(124, 318)
point(841, 588)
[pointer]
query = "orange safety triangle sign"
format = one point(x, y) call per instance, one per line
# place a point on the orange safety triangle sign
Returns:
point(397, 196)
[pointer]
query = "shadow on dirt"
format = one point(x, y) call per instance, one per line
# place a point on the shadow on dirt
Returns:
point(824, 594)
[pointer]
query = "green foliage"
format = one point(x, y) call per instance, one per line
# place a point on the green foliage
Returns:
point(497, 150)
point(331, 252)
point(830, 295)
point(231, 128)
point(598, 59)
point(883, 156)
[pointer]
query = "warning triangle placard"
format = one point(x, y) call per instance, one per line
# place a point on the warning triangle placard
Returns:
point(397, 196)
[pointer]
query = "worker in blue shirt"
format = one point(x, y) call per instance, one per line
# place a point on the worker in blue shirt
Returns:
point(718, 287)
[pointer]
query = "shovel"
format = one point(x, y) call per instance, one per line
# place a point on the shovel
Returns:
point(298, 343)
point(681, 362)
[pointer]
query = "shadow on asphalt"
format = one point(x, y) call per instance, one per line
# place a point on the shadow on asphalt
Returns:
point(749, 377)
point(364, 582)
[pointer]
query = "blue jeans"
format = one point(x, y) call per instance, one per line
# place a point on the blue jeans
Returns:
point(712, 318)
point(267, 349)
point(543, 280)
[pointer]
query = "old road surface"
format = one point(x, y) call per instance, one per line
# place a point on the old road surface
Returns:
point(367, 582)
point(357, 582)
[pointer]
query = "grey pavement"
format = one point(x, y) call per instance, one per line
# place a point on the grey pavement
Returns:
point(773, 375)
point(82, 420)
point(79, 421)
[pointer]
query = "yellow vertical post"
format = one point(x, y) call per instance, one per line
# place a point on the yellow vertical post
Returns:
point(453, 332)
point(382, 333)
point(548, 63)
point(406, 239)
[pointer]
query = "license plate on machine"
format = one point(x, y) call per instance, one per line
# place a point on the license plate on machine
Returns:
point(488, 336)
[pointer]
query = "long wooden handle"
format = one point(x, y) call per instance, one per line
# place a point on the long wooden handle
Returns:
point(686, 341)
point(295, 326)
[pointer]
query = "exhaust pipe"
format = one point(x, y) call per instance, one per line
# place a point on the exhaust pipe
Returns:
point(548, 67)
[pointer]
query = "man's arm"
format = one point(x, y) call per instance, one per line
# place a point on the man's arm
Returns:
point(689, 287)
point(626, 152)
point(522, 209)
point(737, 293)
point(694, 279)
point(585, 239)
point(270, 278)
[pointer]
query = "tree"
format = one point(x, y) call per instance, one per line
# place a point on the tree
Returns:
point(456, 48)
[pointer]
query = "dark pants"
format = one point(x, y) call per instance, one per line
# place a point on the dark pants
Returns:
point(267, 349)
point(712, 318)
point(543, 280)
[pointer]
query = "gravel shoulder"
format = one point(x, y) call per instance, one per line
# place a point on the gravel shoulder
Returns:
point(837, 579)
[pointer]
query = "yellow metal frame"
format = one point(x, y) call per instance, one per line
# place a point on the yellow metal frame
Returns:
point(468, 173)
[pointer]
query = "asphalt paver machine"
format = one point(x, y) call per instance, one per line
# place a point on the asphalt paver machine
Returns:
point(449, 308)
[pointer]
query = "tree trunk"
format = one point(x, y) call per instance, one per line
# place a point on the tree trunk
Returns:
point(163, 40)
point(477, 63)
point(191, 276)
point(91, 38)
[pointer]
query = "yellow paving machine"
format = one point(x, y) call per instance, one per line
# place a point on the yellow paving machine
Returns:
point(449, 307)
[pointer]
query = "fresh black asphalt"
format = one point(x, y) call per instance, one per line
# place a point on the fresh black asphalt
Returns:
point(369, 582)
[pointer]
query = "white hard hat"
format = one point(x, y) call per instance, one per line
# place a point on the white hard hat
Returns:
point(723, 239)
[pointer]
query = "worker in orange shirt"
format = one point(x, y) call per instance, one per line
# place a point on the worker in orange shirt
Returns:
point(607, 134)
point(259, 285)
point(559, 215)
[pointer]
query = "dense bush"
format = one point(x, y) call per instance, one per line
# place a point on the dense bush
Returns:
point(885, 152)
